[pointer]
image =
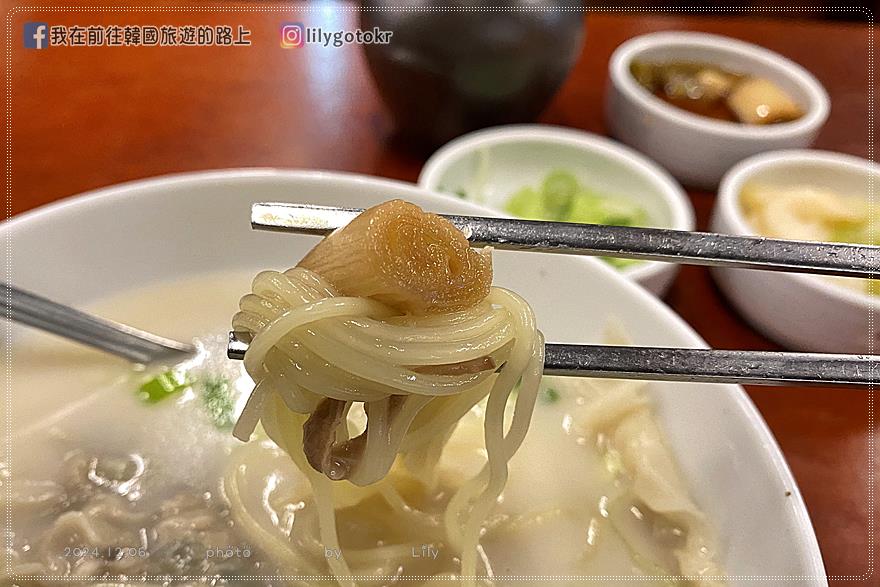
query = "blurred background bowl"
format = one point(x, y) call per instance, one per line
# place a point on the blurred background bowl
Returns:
point(698, 150)
point(803, 312)
point(489, 166)
point(448, 72)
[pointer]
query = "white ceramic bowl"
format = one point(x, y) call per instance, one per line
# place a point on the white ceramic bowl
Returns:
point(695, 149)
point(805, 312)
point(495, 163)
point(141, 233)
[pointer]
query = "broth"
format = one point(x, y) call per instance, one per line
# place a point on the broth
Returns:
point(104, 484)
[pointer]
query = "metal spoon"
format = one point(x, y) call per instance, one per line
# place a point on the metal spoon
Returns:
point(121, 340)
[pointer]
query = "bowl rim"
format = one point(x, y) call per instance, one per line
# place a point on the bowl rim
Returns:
point(728, 207)
point(817, 111)
point(119, 193)
point(672, 194)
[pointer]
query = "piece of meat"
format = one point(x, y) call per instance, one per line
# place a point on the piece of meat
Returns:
point(337, 460)
point(395, 253)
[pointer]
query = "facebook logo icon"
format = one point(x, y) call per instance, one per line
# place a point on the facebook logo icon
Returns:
point(36, 35)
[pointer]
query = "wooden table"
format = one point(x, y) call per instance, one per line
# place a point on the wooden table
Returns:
point(84, 118)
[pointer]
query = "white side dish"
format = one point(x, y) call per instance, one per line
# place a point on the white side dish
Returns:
point(828, 316)
point(695, 149)
point(493, 164)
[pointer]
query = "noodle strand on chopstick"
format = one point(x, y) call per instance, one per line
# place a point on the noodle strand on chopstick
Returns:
point(395, 312)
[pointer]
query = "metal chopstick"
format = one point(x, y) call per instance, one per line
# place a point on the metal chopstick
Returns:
point(688, 365)
point(112, 337)
point(655, 244)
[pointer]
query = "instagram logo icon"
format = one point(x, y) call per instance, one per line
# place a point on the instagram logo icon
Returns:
point(291, 35)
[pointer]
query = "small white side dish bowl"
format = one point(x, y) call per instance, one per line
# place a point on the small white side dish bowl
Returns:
point(493, 164)
point(696, 149)
point(142, 233)
point(804, 312)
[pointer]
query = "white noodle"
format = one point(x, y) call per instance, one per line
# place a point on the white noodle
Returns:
point(309, 344)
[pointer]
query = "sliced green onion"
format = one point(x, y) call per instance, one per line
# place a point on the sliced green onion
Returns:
point(163, 385)
point(217, 399)
point(550, 396)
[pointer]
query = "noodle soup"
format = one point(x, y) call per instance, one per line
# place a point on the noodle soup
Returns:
point(103, 483)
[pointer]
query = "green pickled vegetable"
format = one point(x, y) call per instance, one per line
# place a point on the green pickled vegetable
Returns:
point(562, 198)
point(557, 191)
point(527, 203)
point(590, 208)
point(586, 207)
point(619, 263)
